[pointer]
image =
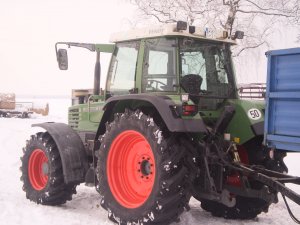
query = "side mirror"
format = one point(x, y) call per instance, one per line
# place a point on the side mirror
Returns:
point(62, 59)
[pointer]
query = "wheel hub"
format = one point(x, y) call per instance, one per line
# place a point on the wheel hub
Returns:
point(146, 168)
point(45, 168)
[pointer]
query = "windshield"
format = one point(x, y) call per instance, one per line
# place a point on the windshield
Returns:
point(210, 61)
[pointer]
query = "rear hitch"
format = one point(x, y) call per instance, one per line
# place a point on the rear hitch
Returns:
point(275, 181)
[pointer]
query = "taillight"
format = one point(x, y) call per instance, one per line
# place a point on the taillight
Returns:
point(189, 110)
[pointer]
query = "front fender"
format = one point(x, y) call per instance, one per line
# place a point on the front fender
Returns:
point(71, 150)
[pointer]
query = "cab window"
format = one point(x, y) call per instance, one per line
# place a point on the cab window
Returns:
point(159, 68)
point(122, 72)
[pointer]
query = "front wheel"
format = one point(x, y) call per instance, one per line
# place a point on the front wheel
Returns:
point(42, 173)
point(141, 171)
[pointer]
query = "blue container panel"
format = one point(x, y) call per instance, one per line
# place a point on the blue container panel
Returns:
point(285, 117)
point(282, 116)
point(285, 73)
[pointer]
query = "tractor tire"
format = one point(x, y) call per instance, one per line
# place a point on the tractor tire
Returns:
point(42, 173)
point(245, 208)
point(141, 172)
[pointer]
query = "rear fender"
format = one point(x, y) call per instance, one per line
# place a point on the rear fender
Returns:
point(71, 150)
point(162, 104)
point(248, 120)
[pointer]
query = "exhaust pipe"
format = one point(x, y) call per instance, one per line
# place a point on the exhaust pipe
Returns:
point(97, 75)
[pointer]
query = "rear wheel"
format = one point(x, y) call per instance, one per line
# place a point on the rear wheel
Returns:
point(245, 208)
point(42, 173)
point(141, 171)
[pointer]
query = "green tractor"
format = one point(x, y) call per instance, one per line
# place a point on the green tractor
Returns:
point(168, 126)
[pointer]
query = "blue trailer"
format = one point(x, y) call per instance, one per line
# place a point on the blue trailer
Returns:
point(282, 113)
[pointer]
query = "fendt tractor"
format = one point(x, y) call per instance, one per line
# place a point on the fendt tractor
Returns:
point(168, 126)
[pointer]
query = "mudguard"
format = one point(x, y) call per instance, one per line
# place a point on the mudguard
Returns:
point(248, 121)
point(163, 105)
point(71, 150)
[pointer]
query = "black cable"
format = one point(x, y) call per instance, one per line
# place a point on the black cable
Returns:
point(289, 210)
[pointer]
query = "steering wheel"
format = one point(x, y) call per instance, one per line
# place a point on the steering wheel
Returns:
point(155, 83)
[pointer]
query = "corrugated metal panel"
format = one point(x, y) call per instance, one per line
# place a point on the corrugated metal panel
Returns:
point(282, 117)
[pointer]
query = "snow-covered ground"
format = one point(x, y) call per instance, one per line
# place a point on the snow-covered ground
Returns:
point(15, 209)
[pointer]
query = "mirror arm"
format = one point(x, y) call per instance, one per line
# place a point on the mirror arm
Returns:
point(91, 47)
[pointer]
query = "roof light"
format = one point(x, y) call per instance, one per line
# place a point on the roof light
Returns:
point(238, 35)
point(181, 25)
point(192, 29)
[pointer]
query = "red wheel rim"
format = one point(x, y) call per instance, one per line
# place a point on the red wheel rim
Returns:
point(131, 169)
point(38, 169)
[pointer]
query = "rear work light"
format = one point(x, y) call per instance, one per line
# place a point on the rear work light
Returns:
point(181, 25)
point(189, 110)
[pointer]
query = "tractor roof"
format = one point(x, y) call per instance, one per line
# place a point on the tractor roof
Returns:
point(172, 30)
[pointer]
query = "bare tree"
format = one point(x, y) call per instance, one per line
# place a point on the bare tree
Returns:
point(258, 18)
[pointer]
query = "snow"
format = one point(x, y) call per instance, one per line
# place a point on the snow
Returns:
point(15, 209)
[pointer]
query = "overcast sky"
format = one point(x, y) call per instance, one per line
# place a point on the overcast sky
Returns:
point(29, 30)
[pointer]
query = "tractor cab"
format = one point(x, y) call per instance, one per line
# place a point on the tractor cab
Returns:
point(167, 59)
point(170, 60)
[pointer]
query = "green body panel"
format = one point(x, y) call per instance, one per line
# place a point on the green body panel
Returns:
point(210, 117)
point(240, 125)
point(86, 117)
